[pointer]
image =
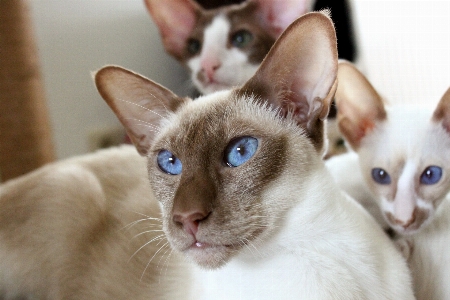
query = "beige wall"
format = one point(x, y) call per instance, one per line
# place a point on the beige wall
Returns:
point(405, 47)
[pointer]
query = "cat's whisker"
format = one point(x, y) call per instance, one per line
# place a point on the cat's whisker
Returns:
point(158, 238)
point(165, 262)
point(147, 231)
point(156, 253)
point(148, 217)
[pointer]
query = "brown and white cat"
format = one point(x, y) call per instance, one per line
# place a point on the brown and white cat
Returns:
point(245, 195)
point(401, 165)
point(222, 47)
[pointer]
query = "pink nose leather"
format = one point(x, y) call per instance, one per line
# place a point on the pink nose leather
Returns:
point(209, 68)
point(189, 221)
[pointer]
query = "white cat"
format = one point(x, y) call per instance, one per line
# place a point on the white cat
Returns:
point(245, 195)
point(400, 164)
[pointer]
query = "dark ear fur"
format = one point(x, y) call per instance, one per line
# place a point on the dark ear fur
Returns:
point(442, 111)
point(299, 74)
point(359, 105)
point(139, 103)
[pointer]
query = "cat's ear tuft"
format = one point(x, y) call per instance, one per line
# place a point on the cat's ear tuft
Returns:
point(278, 15)
point(175, 19)
point(358, 104)
point(298, 75)
point(442, 111)
point(139, 103)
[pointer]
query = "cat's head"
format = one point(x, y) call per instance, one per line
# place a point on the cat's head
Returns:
point(404, 151)
point(222, 47)
point(228, 166)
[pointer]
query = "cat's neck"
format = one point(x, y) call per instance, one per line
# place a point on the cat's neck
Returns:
point(311, 220)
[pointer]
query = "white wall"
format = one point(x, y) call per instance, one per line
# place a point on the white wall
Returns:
point(76, 37)
point(405, 47)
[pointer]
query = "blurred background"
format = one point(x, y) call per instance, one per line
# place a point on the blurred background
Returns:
point(403, 48)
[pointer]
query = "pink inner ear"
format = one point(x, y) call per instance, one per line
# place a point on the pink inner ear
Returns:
point(278, 15)
point(442, 112)
point(175, 19)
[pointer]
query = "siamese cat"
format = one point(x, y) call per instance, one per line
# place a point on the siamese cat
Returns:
point(223, 47)
point(85, 228)
point(400, 166)
point(244, 193)
point(248, 210)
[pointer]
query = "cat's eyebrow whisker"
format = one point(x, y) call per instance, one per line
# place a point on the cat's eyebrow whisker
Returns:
point(145, 108)
point(148, 125)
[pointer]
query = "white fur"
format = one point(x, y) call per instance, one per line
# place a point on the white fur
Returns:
point(410, 139)
point(235, 67)
point(430, 259)
point(316, 254)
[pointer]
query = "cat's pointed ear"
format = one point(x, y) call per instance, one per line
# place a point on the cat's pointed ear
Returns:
point(175, 19)
point(442, 111)
point(298, 75)
point(358, 104)
point(139, 103)
point(278, 15)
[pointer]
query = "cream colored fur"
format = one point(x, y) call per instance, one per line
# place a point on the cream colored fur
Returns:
point(74, 230)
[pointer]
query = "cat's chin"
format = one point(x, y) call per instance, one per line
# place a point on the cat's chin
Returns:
point(209, 256)
point(411, 229)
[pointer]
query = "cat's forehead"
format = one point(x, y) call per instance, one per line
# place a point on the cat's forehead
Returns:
point(217, 118)
point(408, 134)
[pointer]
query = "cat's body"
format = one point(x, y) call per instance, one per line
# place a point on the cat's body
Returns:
point(74, 230)
point(244, 193)
point(401, 164)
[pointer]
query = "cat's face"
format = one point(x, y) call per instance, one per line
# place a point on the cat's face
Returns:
point(404, 152)
point(405, 161)
point(228, 166)
point(225, 49)
point(217, 173)
point(222, 48)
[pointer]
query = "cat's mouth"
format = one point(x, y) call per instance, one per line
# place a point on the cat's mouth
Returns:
point(210, 256)
point(417, 221)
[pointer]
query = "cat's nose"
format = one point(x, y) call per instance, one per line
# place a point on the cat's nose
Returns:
point(209, 68)
point(190, 221)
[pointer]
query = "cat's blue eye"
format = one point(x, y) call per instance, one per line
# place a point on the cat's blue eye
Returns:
point(381, 176)
point(431, 175)
point(193, 46)
point(169, 163)
point(241, 38)
point(240, 150)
